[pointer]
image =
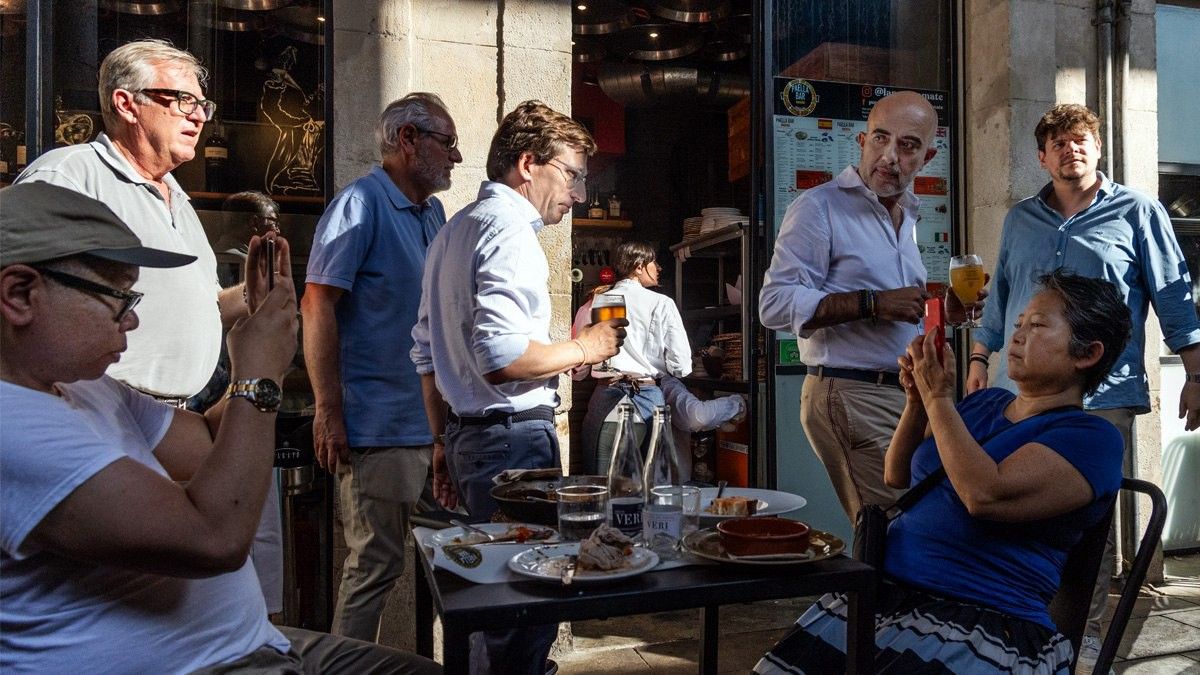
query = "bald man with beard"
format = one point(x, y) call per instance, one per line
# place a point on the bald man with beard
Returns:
point(847, 278)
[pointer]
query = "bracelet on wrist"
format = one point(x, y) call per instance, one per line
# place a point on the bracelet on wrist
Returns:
point(980, 358)
point(864, 304)
point(1192, 378)
point(582, 350)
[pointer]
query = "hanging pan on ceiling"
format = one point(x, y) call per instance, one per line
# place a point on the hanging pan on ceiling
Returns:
point(222, 18)
point(253, 5)
point(141, 7)
point(724, 49)
point(587, 50)
point(599, 17)
point(660, 41)
point(306, 24)
point(691, 11)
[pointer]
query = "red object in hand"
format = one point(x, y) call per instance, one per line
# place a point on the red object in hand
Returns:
point(607, 275)
point(935, 322)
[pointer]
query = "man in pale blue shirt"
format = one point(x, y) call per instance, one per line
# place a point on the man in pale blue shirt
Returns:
point(482, 340)
point(847, 278)
point(1084, 222)
point(359, 306)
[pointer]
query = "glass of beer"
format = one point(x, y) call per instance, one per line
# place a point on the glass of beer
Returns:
point(966, 280)
point(607, 306)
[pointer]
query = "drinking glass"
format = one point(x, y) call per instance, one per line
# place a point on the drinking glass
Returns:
point(672, 512)
point(581, 509)
point(966, 280)
point(607, 306)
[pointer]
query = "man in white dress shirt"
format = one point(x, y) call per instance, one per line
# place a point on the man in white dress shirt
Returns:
point(847, 278)
point(482, 339)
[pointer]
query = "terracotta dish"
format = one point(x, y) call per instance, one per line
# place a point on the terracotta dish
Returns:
point(763, 536)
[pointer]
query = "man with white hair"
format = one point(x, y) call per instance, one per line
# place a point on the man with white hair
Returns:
point(152, 101)
point(360, 304)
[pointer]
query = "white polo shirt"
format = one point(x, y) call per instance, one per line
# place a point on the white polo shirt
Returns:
point(175, 348)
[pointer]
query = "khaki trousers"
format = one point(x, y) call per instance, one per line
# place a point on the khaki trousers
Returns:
point(850, 425)
point(376, 493)
point(1122, 419)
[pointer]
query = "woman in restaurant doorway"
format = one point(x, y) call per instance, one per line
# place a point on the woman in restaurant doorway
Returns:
point(970, 569)
point(655, 344)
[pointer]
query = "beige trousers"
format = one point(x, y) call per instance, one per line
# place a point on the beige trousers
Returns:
point(850, 424)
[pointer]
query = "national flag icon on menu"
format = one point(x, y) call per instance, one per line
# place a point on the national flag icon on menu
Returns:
point(941, 237)
point(824, 124)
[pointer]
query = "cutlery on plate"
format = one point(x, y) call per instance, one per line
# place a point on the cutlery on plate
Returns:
point(471, 528)
point(721, 488)
point(568, 571)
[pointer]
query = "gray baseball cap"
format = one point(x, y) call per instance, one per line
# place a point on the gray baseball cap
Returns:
point(40, 221)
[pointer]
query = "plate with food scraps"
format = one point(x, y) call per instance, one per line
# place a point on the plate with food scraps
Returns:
point(754, 502)
point(706, 544)
point(502, 533)
point(549, 562)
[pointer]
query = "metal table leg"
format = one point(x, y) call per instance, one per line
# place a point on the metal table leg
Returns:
point(423, 599)
point(710, 617)
point(860, 631)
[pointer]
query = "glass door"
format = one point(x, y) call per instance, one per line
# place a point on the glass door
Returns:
point(825, 64)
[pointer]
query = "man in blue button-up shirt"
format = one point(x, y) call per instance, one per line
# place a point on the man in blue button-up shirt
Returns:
point(1084, 222)
point(360, 303)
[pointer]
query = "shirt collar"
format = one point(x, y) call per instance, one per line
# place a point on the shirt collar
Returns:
point(1107, 187)
point(493, 190)
point(111, 156)
point(393, 191)
point(849, 179)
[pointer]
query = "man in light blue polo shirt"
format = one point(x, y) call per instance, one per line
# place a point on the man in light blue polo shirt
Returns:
point(1085, 222)
point(359, 306)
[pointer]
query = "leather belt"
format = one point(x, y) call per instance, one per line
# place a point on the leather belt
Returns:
point(639, 381)
point(879, 377)
point(542, 413)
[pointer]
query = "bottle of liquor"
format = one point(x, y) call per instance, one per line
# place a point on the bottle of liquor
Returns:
point(21, 156)
point(216, 160)
point(614, 206)
point(626, 482)
point(662, 519)
point(595, 211)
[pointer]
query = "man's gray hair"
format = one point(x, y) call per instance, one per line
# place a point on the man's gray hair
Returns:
point(132, 67)
point(418, 109)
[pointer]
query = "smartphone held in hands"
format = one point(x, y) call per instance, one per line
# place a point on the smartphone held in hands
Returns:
point(935, 323)
point(270, 253)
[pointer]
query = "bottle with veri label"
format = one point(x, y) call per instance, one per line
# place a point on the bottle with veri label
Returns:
point(662, 519)
point(216, 160)
point(626, 486)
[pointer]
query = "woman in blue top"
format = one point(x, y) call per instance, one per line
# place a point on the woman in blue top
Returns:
point(971, 567)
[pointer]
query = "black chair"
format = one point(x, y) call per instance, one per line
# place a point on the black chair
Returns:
point(1069, 609)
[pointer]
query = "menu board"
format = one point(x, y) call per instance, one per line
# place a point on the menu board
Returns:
point(816, 127)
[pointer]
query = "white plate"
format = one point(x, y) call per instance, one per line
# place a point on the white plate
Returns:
point(447, 536)
point(770, 502)
point(545, 563)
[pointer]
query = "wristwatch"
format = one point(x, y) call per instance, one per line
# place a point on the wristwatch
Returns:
point(262, 392)
point(1194, 378)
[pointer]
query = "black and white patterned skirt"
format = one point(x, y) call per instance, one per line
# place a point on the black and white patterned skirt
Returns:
point(916, 632)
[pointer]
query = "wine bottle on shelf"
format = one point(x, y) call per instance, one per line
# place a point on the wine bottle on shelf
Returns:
point(614, 206)
point(595, 211)
point(626, 482)
point(21, 158)
point(216, 160)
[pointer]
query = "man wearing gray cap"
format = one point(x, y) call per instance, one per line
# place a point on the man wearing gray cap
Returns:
point(127, 522)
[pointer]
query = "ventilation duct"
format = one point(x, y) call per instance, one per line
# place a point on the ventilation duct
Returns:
point(635, 85)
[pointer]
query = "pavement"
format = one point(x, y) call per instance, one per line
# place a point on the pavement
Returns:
point(1162, 638)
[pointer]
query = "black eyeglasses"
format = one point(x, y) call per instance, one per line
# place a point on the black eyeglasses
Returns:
point(450, 142)
point(575, 177)
point(130, 299)
point(187, 102)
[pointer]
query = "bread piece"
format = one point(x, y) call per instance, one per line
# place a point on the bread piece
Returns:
point(734, 506)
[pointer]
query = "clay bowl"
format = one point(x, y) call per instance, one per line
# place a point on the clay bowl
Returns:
point(763, 536)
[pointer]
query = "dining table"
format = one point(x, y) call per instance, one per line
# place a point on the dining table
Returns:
point(466, 607)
